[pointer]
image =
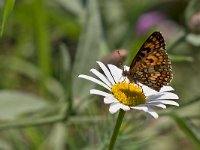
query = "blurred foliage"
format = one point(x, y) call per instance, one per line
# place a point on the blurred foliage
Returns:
point(45, 45)
point(7, 10)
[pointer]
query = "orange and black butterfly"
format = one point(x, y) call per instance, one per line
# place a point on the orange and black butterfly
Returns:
point(151, 65)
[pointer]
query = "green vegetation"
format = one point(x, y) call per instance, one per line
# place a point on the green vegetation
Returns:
point(46, 44)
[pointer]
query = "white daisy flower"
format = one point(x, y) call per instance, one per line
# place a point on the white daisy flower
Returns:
point(125, 95)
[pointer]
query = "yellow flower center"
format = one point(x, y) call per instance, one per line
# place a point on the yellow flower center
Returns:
point(128, 93)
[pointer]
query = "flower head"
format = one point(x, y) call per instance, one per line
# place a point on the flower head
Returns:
point(149, 20)
point(125, 95)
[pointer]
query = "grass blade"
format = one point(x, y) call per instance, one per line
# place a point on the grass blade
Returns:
point(186, 127)
point(7, 10)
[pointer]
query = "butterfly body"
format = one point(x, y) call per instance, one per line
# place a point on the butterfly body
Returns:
point(151, 65)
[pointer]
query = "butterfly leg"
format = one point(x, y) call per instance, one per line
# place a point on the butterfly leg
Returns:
point(139, 86)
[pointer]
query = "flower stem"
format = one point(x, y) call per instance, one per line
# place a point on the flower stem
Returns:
point(116, 130)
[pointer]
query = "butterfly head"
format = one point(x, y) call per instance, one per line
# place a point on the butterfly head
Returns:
point(128, 74)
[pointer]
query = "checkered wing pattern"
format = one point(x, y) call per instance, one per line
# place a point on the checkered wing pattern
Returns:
point(151, 66)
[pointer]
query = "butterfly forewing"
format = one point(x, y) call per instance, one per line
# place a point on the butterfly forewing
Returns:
point(151, 66)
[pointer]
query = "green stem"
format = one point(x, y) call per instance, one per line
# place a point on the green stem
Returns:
point(116, 130)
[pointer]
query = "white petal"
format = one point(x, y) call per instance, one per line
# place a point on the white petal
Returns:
point(126, 68)
point(101, 76)
point(116, 72)
point(114, 107)
point(166, 89)
point(146, 109)
point(94, 80)
point(101, 93)
point(147, 90)
point(140, 107)
point(124, 107)
point(109, 100)
point(167, 102)
point(163, 95)
point(106, 71)
point(152, 113)
point(157, 105)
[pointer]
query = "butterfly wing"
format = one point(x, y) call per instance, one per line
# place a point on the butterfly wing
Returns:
point(151, 66)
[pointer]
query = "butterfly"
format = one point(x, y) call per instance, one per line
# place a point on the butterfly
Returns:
point(151, 65)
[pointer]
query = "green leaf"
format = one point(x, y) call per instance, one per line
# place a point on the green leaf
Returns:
point(190, 102)
point(178, 58)
point(15, 103)
point(21, 66)
point(57, 137)
point(74, 6)
point(66, 74)
point(7, 10)
point(55, 88)
point(65, 60)
point(88, 48)
point(187, 128)
point(42, 39)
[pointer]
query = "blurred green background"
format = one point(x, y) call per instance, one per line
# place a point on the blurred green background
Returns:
point(45, 45)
